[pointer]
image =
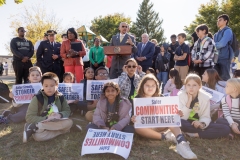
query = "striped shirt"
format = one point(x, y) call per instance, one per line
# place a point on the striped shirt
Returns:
point(233, 114)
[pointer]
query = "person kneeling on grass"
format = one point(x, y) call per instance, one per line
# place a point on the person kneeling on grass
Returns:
point(149, 87)
point(194, 104)
point(112, 111)
point(42, 120)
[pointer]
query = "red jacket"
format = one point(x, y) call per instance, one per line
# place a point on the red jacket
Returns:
point(65, 47)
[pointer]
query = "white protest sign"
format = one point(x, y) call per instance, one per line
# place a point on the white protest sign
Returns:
point(94, 88)
point(71, 91)
point(23, 93)
point(156, 112)
point(216, 96)
point(166, 94)
point(104, 141)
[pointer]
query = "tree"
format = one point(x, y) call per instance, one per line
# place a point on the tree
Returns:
point(36, 21)
point(148, 22)
point(2, 2)
point(107, 26)
point(208, 14)
point(232, 8)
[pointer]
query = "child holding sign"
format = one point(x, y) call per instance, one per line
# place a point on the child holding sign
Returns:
point(112, 112)
point(68, 77)
point(101, 73)
point(35, 75)
point(194, 104)
point(231, 106)
point(149, 87)
point(44, 121)
point(129, 79)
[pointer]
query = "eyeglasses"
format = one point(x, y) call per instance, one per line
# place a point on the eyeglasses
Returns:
point(103, 74)
point(124, 26)
point(22, 31)
point(131, 66)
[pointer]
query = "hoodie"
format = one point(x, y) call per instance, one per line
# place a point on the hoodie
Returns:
point(162, 62)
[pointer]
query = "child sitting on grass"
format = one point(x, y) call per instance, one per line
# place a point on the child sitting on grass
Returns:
point(112, 112)
point(20, 110)
point(231, 107)
point(43, 120)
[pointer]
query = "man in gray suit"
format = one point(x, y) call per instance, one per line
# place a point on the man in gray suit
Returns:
point(121, 39)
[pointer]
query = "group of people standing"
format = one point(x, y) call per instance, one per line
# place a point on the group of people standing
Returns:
point(140, 75)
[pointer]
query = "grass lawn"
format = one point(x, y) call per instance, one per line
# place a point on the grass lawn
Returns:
point(68, 146)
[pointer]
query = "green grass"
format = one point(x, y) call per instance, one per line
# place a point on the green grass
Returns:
point(68, 146)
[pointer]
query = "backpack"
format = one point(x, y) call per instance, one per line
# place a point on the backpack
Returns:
point(189, 57)
point(41, 101)
point(233, 44)
point(4, 93)
point(229, 103)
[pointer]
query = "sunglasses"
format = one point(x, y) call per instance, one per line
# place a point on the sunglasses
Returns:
point(124, 26)
point(131, 66)
point(22, 31)
point(103, 74)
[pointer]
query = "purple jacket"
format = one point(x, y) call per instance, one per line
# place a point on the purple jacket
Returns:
point(100, 114)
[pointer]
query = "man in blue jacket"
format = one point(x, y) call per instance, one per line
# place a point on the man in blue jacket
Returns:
point(223, 40)
point(145, 52)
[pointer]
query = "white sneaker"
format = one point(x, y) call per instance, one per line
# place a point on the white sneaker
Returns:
point(170, 136)
point(185, 151)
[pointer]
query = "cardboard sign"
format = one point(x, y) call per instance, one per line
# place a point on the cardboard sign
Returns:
point(156, 112)
point(71, 91)
point(94, 88)
point(104, 141)
point(216, 96)
point(23, 93)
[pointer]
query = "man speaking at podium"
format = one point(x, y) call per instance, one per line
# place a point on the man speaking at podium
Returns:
point(121, 39)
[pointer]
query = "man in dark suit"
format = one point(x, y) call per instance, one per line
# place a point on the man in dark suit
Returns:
point(144, 55)
point(48, 55)
point(121, 39)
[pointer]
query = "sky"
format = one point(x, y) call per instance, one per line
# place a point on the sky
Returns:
point(175, 13)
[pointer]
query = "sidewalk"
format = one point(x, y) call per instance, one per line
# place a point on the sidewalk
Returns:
point(10, 77)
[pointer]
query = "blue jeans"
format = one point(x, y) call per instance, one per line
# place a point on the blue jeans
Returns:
point(163, 77)
point(223, 68)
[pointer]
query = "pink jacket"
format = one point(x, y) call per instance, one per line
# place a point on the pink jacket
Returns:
point(100, 114)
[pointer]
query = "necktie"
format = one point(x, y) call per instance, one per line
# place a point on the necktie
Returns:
point(143, 46)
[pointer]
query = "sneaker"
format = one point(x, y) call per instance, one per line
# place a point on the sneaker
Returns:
point(3, 120)
point(170, 136)
point(6, 113)
point(185, 151)
point(29, 129)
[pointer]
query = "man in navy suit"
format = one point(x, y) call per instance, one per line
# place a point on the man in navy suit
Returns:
point(145, 52)
point(48, 55)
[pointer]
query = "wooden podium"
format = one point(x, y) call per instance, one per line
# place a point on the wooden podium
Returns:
point(117, 50)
